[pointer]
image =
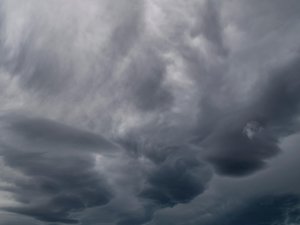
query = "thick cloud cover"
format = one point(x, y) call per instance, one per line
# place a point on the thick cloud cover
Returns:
point(58, 170)
point(149, 112)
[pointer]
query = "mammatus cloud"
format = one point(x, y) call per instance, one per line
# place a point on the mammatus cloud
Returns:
point(148, 112)
point(178, 178)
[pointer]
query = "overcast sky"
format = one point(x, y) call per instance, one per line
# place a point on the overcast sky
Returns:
point(155, 112)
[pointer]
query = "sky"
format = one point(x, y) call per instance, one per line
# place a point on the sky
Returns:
point(149, 112)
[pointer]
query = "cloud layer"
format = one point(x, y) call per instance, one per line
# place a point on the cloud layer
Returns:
point(149, 112)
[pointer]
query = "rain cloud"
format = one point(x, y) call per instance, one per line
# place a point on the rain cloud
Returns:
point(149, 112)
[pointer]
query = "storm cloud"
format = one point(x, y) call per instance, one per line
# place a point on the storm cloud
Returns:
point(57, 170)
point(149, 112)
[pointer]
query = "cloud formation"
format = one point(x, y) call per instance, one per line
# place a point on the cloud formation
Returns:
point(148, 112)
point(57, 168)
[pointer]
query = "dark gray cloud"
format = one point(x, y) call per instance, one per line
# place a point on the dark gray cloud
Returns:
point(178, 178)
point(282, 209)
point(148, 73)
point(56, 135)
point(241, 144)
point(59, 172)
point(148, 112)
point(229, 197)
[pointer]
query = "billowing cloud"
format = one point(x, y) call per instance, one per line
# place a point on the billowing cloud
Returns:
point(178, 178)
point(148, 112)
point(241, 144)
